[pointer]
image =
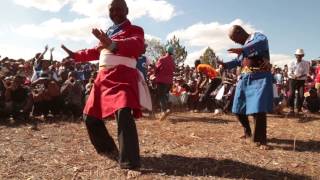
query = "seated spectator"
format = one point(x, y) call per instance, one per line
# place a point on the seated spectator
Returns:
point(71, 91)
point(40, 96)
point(312, 101)
point(18, 99)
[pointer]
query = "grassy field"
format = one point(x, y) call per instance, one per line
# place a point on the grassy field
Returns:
point(186, 146)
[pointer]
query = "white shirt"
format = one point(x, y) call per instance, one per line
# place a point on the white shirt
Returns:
point(299, 71)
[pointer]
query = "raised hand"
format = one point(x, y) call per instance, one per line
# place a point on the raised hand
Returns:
point(68, 51)
point(52, 49)
point(46, 47)
point(102, 37)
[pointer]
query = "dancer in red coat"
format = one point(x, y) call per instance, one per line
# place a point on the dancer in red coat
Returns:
point(116, 91)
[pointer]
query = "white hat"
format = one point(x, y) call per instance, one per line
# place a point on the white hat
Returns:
point(299, 52)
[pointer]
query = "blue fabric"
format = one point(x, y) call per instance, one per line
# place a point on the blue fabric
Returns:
point(254, 91)
point(115, 29)
point(142, 66)
point(254, 94)
point(256, 47)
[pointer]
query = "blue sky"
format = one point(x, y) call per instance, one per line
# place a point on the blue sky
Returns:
point(27, 25)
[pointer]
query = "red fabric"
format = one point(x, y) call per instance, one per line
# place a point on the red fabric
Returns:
point(317, 79)
point(117, 87)
point(130, 43)
point(114, 89)
point(165, 67)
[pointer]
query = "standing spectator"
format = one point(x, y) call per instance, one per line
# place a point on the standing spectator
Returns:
point(317, 78)
point(72, 92)
point(165, 67)
point(298, 74)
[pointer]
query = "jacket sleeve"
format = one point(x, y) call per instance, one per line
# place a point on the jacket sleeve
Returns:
point(87, 55)
point(234, 63)
point(132, 46)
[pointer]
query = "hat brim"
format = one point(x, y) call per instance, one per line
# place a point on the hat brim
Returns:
point(43, 78)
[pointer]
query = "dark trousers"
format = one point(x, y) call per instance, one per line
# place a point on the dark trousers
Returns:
point(205, 100)
point(129, 155)
point(162, 92)
point(293, 86)
point(260, 127)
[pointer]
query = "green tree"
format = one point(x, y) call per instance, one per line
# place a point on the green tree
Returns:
point(209, 57)
point(180, 52)
point(155, 49)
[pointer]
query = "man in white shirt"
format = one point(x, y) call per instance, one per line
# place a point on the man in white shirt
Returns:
point(298, 74)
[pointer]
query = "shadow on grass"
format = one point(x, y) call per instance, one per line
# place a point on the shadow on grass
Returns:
point(300, 146)
point(34, 122)
point(207, 119)
point(173, 165)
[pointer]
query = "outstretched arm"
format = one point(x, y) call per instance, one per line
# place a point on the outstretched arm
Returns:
point(42, 54)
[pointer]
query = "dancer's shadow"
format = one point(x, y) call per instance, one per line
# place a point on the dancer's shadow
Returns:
point(173, 165)
point(210, 120)
point(300, 146)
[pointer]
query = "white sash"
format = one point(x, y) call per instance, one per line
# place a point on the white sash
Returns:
point(110, 60)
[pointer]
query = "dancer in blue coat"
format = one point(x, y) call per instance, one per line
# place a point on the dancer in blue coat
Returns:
point(254, 93)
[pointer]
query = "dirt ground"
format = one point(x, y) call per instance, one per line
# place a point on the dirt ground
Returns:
point(186, 146)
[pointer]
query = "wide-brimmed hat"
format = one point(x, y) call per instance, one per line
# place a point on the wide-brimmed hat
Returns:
point(299, 52)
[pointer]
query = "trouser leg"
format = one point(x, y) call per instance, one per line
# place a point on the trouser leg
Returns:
point(260, 128)
point(245, 124)
point(128, 139)
point(300, 94)
point(99, 136)
point(292, 93)
point(212, 86)
point(163, 90)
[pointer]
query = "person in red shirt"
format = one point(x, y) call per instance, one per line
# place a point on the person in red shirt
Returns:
point(215, 81)
point(317, 79)
point(164, 70)
point(115, 91)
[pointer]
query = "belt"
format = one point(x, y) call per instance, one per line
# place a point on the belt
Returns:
point(105, 67)
point(254, 65)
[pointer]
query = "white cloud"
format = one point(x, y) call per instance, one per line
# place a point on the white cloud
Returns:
point(76, 30)
point(159, 10)
point(281, 59)
point(150, 37)
point(17, 52)
point(214, 35)
point(44, 5)
point(13, 51)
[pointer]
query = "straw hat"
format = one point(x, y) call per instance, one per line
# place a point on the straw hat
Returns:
point(299, 52)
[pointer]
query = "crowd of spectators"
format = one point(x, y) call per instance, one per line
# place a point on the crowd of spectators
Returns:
point(42, 87)
point(46, 87)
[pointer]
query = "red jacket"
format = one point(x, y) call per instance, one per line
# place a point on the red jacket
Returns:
point(130, 43)
point(165, 68)
point(317, 79)
point(117, 87)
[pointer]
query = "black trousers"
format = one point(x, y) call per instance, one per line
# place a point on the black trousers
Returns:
point(162, 92)
point(205, 100)
point(129, 155)
point(293, 86)
point(260, 127)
